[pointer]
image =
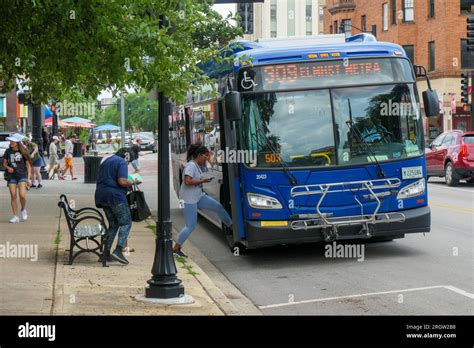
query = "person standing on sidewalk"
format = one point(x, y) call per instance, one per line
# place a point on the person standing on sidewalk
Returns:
point(68, 157)
point(16, 162)
point(111, 196)
point(192, 194)
point(36, 161)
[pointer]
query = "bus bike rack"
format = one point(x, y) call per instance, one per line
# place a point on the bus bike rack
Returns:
point(329, 225)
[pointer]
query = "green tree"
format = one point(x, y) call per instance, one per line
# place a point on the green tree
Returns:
point(66, 46)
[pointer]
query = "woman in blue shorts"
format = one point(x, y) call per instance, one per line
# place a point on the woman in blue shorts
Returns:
point(16, 162)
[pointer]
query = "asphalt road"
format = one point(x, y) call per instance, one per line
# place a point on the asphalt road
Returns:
point(417, 275)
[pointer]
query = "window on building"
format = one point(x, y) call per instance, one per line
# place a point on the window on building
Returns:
point(363, 21)
point(3, 107)
point(346, 24)
point(431, 9)
point(291, 17)
point(374, 30)
point(408, 10)
point(410, 51)
point(467, 6)
point(309, 17)
point(385, 16)
point(394, 11)
point(336, 29)
point(273, 18)
point(467, 57)
point(431, 54)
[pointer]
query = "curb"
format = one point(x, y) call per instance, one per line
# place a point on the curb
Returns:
point(229, 299)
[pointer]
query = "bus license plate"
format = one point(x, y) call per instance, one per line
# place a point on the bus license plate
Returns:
point(412, 172)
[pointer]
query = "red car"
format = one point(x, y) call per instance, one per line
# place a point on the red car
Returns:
point(451, 155)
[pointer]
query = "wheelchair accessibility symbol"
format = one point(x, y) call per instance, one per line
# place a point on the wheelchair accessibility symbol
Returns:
point(247, 82)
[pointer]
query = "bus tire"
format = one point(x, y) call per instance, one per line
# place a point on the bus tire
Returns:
point(235, 248)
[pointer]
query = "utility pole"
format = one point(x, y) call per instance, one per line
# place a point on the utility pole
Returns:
point(122, 117)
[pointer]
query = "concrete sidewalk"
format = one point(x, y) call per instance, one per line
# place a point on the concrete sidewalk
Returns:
point(49, 287)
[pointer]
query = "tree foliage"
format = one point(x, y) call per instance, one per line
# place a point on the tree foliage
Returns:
point(71, 46)
point(140, 113)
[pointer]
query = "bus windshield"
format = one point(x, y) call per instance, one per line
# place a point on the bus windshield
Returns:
point(334, 126)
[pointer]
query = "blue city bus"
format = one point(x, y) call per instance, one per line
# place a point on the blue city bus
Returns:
point(335, 129)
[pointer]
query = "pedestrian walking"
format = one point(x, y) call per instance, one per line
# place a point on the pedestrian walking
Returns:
point(36, 161)
point(111, 196)
point(17, 164)
point(136, 154)
point(68, 157)
point(53, 164)
point(193, 196)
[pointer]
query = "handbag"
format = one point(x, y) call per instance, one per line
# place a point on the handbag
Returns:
point(138, 207)
point(6, 175)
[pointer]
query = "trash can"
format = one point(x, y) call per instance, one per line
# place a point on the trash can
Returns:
point(77, 151)
point(91, 168)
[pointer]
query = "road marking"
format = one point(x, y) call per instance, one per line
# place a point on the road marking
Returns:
point(448, 287)
point(460, 291)
point(451, 188)
point(453, 207)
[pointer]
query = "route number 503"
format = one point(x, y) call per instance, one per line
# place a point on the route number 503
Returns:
point(261, 176)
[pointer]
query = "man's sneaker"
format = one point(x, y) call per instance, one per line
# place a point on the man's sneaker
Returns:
point(24, 215)
point(117, 255)
point(39, 186)
point(33, 185)
point(180, 253)
point(14, 220)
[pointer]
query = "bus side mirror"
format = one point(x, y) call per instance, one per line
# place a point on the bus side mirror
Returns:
point(431, 103)
point(233, 106)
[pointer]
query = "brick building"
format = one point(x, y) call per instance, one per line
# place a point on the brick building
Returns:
point(433, 34)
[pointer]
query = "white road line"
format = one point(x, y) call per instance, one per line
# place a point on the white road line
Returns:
point(460, 291)
point(349, 296)
point(450, 188)
point(448, 287)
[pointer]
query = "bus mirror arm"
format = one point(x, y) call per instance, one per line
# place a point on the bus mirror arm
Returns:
point(233, 106)
point(430, 96)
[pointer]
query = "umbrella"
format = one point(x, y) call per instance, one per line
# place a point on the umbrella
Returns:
point(49, 122)
point(79, 122)
point(106, 127)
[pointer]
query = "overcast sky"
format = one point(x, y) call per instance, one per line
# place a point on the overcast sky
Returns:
point(223, 9)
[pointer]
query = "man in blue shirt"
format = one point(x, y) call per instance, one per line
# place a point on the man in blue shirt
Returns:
point(111, 196)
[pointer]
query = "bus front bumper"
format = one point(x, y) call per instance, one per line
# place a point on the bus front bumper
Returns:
point(417, 220)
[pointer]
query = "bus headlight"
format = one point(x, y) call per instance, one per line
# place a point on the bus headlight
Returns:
point(263, 202)
point(414, 189)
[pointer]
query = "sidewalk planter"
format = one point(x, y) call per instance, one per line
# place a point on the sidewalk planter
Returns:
point(91, 168)
point(77, 152)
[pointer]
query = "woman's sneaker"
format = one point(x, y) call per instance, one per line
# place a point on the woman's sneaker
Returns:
point(179, 253)
point(15, 220)
point(117, 255)
point(24, 215)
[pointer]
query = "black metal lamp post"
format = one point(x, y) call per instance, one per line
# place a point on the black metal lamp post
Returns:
point(164, 284)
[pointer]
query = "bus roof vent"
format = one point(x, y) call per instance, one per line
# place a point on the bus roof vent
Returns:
point(302, 41)
point(364, 37)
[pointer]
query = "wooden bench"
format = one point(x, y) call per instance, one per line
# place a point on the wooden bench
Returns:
point(79, 231)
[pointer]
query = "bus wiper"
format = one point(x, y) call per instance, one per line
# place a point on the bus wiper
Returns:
point(286, 170)
point(359, 138)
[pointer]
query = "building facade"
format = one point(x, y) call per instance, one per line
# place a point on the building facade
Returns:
point(286, 18)
point(433, 34)
point(13, 115)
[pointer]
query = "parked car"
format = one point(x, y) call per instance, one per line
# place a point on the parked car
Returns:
point(4, 144)
point(451, 155)
point(149, 143)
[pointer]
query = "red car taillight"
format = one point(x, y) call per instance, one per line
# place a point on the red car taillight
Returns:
point(463, 150)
